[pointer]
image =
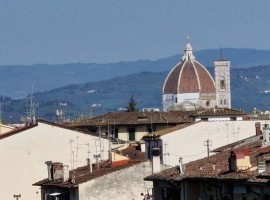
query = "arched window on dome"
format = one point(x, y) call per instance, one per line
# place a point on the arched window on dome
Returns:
point(222, 83)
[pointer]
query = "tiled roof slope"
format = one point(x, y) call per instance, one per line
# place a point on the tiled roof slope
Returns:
point(126, 118)
point(219, 112)
point(82, 174)
point(217, 166)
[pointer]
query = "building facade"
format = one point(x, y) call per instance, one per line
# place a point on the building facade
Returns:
point(190, 86)
point(24, 151)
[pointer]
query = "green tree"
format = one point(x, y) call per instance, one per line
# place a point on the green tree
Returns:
point(132, 105)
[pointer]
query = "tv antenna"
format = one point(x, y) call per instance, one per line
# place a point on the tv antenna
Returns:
point(207, 143)
point(31, 118)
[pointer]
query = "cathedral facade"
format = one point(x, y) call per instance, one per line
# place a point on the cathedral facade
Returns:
point(189, 85)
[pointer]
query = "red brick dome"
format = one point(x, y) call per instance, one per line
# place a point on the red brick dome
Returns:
point(189, 76)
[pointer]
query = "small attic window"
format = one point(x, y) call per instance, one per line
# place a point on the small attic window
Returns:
point(142, 118)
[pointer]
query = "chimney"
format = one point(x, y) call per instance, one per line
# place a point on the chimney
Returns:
point(57, 170)
point(258, 128)
point(181, 165)
point(239, 160)
point(155, 160)
point(89, 163)
point(49, 170)
point(266, 131)
point(65, 173)
point(142, 145)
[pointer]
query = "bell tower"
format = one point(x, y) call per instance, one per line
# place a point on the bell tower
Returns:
point(222, 82)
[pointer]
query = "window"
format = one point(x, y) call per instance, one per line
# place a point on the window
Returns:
point(224, 101)
point(221, 101)
point(175, 99)
point(222, 84)
point(207, 103)
point(131, 134)
point(233, 118)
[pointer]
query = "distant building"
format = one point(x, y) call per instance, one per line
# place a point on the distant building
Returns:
point(24, 151)
point(132, 126)
point(237, 171)
point(190, 86)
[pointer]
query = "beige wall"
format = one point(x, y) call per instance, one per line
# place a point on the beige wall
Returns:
point(123, 184)
point(5, 129)
point(23, 156)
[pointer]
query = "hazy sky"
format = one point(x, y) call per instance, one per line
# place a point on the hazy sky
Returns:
point(65, 31)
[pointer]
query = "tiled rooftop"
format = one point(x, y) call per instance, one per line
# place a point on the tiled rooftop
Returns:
point(82, 174)
point(219, 112)
point(217, 166)
point(126, 118)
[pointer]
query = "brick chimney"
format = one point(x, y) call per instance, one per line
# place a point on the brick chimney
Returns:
point(258, 128)
point(58, 172)
point(239, 160)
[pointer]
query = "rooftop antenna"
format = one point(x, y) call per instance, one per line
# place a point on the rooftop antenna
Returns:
point(71, 154)
point(77, 150)
point(207, 143)
point(17, 196)
point(31, 118)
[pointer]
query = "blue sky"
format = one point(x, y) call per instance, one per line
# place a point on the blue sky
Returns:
point(68, 31)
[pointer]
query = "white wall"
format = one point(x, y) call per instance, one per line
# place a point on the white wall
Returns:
point(188, 142)
point(127, 183)
point(23, 156)
point(218, 118)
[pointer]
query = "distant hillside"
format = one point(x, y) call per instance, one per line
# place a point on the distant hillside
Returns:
point(250, 88)
point(15, 81)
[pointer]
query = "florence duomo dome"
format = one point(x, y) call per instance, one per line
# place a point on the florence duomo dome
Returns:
point(190, 86)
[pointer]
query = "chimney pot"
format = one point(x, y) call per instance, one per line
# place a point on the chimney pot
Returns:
point(65, 173)
point(155, 160)
point(49, 170)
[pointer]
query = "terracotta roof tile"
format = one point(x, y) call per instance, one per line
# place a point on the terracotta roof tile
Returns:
point(217, 166)
point(127, 118)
